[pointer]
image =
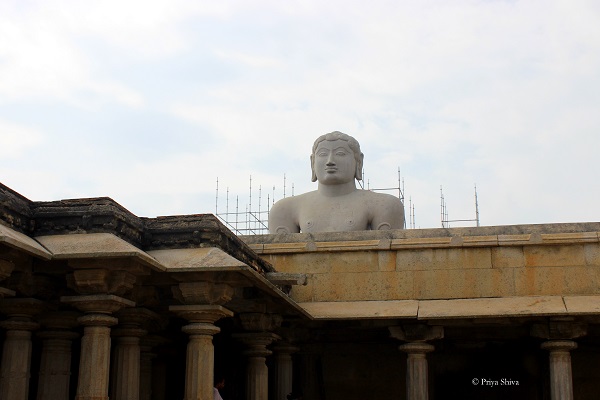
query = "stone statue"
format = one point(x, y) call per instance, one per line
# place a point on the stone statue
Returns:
point(337, 205)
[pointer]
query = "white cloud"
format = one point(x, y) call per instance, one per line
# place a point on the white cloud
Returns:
point(16, 139)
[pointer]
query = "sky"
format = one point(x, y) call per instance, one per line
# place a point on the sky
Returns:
point(151, 102)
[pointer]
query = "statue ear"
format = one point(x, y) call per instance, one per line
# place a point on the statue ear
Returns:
point(312, 168)
point(359, 167)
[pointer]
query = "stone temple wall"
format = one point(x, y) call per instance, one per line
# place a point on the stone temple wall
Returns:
point(560, 261)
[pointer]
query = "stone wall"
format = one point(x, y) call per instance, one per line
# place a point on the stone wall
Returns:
point(462, 263)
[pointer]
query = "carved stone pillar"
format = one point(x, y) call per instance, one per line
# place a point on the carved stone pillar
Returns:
point(283, 362)
point(559, 331)
point(257, 373)
point(200, 356)
point(94, 364)
point(55, 364)
point(16, 354)
point(147, 381)
point(126, 370)
point(561, 380)
point(417, 374)
point(417, 384)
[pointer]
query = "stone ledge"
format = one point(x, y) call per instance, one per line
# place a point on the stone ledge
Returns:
point(362, 309)
point(581, 305)
point(492, 307)
point(197, 259)
point(482, 308)
point(23, 242)
point(95, 246)
point(518, 235)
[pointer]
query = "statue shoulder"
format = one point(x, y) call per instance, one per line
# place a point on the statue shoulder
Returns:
point(387, 211)
point(283, 216)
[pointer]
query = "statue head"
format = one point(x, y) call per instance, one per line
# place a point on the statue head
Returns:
point(352, 144)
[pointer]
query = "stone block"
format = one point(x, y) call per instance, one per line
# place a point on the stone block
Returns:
point(491, 240)
point(553, 256)
point(269, 248)
point(411, 260)
point(450, 258)
point(362, 309)
point(541, 281)
point(349, 245)
point(304, 293)
point(592, 254)
point(514, 239)
point(581, 305)
point(356, 261)
point(416, 243)
point(464, 283)
point(387, 260)
point(570, 237)
point(492, 307)
point(315, 263)
point(508, 257)
point(350, 286)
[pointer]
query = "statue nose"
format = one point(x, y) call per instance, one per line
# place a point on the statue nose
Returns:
point(330, 160)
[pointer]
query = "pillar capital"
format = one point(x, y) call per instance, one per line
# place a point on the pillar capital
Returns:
point(203, 292)
point(27, 308)
point(416, 332)
point(98, 303)
point(559, 329)
point(417, 348)
point(89, 281)
point(559, 345)
point(260, 322)
point(207, 314)
point(257, 343)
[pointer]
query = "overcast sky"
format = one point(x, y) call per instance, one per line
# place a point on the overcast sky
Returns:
point(149, 102)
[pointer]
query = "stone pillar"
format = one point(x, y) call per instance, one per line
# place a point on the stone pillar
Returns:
point(55, 364)
point(559, 331)
point(147, 383)
point(126, 370)
point(199, 368)
point(283, 361)
point(257, 373)
point(94, 364)
point(417, 384)
point(16, 354)
point(561, 381)
point(417, 381)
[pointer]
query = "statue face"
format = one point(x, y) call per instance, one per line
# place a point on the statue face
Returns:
point(334, 162)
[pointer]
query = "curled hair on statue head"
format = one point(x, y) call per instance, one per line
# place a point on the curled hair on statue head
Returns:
point(352, 143)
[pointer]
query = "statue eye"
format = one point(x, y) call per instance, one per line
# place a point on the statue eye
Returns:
point(340, 153)
point(322, 154)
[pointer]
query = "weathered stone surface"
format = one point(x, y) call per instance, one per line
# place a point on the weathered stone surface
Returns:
point(494, 307)
point(447, 269)
point(22, 242)
point(94, 245)
point(181, 260)
point(362, 309)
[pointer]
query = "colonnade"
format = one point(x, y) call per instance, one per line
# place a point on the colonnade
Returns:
point(559, 333)
point(108, 316)
point(128, 367)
